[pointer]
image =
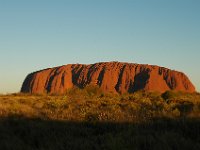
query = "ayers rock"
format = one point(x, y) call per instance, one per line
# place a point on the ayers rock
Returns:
point(109, 76)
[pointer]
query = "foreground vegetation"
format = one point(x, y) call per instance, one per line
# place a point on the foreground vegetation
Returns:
point(91, 119)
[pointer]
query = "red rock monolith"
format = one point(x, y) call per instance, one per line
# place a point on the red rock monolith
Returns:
point(109, 76)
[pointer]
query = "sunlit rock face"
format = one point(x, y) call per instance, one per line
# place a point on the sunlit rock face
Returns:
point(113, 77)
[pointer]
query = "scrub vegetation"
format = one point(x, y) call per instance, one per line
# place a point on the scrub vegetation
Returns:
point(90, 119)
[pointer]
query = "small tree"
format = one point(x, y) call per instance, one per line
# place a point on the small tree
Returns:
point(169, 95)
point(185, 108)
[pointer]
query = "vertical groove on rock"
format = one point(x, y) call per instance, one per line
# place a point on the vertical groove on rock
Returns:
point(76, 74)
point(100, 77)
point(63, 79)
point(117, 87)
point(140, 80)
point(52, 77)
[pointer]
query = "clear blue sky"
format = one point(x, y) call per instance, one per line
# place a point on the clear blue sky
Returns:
point(44, 33)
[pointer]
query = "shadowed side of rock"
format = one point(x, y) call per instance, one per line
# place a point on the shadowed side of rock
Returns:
point(113, 77)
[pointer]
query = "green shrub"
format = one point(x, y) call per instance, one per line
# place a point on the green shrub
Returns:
point(170, 95)
point(88, 91)
point(93, 90)
point(92, 117)
point(185, 108)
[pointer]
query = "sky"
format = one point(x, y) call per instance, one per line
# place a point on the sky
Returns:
point(39, 34)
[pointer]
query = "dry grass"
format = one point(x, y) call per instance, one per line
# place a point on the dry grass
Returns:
point(92, 105)
point(90, 119)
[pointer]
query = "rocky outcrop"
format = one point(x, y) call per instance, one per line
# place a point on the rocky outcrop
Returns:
point(109, 76)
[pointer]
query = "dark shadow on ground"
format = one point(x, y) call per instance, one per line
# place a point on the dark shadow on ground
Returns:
point(165, 134)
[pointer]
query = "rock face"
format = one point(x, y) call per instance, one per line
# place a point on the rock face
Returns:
point(109, 76)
